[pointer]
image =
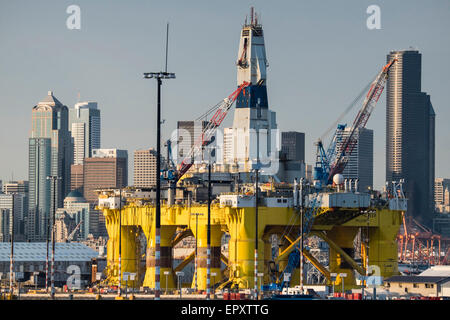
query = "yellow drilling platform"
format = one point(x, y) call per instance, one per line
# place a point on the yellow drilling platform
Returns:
point(337, 222)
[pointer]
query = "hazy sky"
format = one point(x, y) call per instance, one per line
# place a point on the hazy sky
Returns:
point(321, 54)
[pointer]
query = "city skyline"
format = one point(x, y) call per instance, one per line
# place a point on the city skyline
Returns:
point(315, 110)
point(301, 151)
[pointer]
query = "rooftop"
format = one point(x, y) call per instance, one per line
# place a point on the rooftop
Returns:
point(417, 279)
point(436, 271)
point(50, 99)
point(37, 251)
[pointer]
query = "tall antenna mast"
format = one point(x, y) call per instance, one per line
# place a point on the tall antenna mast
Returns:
point(167, 44)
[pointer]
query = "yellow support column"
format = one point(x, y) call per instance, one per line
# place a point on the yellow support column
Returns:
point(167, 232)
point(241, 225)
point(343, 237)
point(216, 236)
point(129, 246)
point(383, 245)
point(129, 256)
point(112, 246)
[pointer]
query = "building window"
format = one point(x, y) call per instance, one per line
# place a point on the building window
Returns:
point(415, 285)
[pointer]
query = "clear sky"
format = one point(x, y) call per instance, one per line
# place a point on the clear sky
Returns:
point(321, 55)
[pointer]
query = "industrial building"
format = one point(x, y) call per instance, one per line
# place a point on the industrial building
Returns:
point(426, 286)
point(30, 263)
point(254, 130)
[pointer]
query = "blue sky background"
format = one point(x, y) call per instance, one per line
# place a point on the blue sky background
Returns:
point(321, 55)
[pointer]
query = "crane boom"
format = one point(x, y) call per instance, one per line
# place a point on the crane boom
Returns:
point(71, 235)
point(208, 132)
point(349, 142)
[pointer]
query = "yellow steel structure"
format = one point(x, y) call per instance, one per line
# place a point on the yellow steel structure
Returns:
point(337, 226)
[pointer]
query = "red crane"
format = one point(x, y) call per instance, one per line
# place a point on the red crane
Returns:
point(208, 132)
point(339, 158)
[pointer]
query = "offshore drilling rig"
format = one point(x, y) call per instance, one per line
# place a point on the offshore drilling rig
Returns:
point(329, 207)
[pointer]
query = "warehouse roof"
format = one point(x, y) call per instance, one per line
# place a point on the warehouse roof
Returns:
point(417, 279)
point(37, 251)
point(437, 271)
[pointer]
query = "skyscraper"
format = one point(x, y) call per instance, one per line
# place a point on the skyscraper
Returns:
point(20, 186)
point(440, 184)
point(49, 154)
point(84, 125)
point(410, 133)
point(107, 168)
point(360, 162)
point(187, 134)
point(292, 156)
point(145, 168)
point(14, 203)
point(76, 178)
point(293, 146)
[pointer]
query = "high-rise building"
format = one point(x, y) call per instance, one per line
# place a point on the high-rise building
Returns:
point(293, 146)
point(18, 190)
point(145, 168)
point(20, 186)
point(4, 225)
point(292, 157)
point(107, 168)
point(360, 161)
point(309, 173)
point(440, 184)
point(84, 125)
point(76, 178)
point(50, 153)
point(228, 145)
point(187, 134)
point(410, 134)
point(14, 203)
